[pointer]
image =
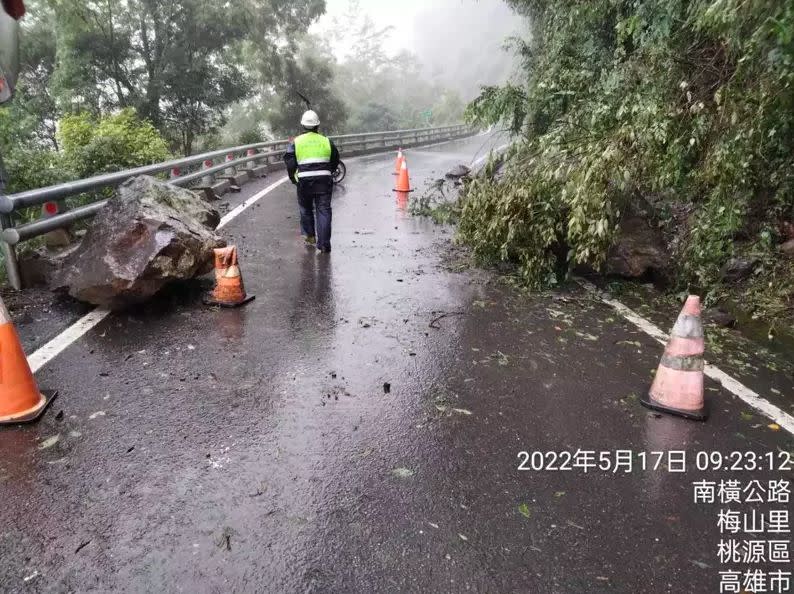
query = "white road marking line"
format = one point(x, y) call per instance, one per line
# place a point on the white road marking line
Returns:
point(57, 345)
point(731, 384)
point(237, 210)
point(46, 353)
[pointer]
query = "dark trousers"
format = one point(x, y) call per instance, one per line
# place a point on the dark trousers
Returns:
point(319, 200)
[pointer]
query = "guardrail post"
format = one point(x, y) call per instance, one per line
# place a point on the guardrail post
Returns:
point(9, 251)
point(230, 170)
point(10, 255)
point(207, 180)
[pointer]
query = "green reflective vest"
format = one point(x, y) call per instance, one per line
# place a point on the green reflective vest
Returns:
point(313, 154)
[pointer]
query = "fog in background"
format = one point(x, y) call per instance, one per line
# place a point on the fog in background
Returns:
point(458, 42)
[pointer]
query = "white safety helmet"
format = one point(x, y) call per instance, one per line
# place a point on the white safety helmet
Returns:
point(310, 119)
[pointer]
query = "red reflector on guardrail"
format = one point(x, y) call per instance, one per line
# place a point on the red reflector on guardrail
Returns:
point(50, 208)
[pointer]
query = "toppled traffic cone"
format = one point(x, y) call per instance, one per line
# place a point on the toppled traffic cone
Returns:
point(678, 386)
point(20, 398)
point(403, 183)
point(229, 290)
point(399, 162)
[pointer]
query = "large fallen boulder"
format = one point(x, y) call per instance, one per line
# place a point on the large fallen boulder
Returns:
point(738, 269)
point(457, 172)
point(639, 250)
point(149, 234)
point(40, 266)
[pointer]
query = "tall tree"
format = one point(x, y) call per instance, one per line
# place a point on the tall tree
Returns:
point(306, 70)
point(177, 62)
point(34, 99)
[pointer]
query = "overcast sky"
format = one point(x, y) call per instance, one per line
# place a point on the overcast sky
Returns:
point(458, 41)
point(400, 14)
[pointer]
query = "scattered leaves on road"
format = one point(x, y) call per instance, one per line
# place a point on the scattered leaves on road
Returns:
point(402, 472)
point(49, 442)
point(33, 575)
point(523, 509)
point(225, 539)
point(587, 336)
point(365, 453)
point(499, 357)
point(700, 564)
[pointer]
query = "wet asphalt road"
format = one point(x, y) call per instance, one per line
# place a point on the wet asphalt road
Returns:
point(257, 450)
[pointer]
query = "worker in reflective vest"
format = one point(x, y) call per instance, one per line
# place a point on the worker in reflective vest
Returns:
point(311, 160)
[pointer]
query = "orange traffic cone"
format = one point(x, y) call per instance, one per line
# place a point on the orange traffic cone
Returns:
point(229, 290)
point(399, 162)
point(678, 386)
point(20, 398)
point(402, 201)
point(403, 183)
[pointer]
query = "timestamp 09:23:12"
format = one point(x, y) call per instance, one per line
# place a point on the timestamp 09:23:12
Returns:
point(670, 460)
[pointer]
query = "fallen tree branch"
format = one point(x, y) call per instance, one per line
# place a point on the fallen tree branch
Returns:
point(433, 324)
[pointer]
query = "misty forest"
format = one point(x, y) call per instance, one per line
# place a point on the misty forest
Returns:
point(676, 112)
point(107, 85)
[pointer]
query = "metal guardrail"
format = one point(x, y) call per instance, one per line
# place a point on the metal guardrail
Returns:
point(261, 154)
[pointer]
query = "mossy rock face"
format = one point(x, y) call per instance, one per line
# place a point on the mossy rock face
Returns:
point(149, 234)
point(639, 250)
point(738, 269)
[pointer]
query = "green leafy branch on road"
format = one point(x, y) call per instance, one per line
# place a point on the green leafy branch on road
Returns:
point(687, 105)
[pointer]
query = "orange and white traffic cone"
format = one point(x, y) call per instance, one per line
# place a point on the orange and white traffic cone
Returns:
point(403, 182)
point(402, 201)
point(21, 401)
point(678, 386)
point(399, 162)
point(229, 290)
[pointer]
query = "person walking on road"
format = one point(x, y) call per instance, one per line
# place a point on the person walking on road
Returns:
point(311, 159)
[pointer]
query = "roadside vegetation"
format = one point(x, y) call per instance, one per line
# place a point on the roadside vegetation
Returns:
point(107, 85)
point(680, 109)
